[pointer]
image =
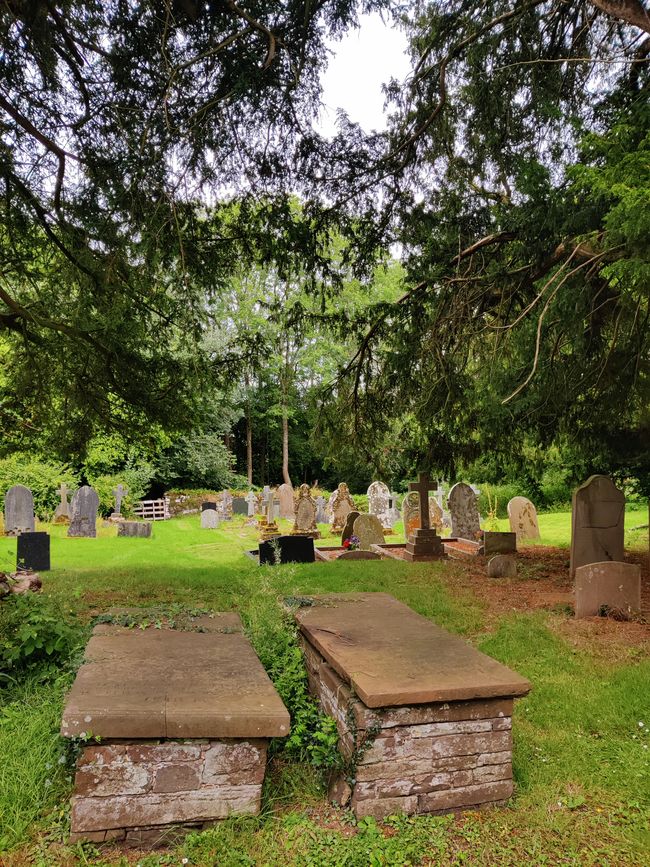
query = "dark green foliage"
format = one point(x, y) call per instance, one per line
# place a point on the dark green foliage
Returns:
point(42, 477)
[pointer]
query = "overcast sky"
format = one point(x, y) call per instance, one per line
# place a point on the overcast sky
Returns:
point(363, 60)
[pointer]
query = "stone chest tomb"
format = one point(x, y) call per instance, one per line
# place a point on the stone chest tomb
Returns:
point(184, 719)
point(424, 719)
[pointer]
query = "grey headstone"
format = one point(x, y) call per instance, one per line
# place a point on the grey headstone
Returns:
point(239, 506)
point(321, 517)
point(251, 502)
point(285, 496)
point(502, 566)
point(609, 587)
point(209, 519)
point(83, 513)
point(369, 530)
point(463, 505)
point(119, 493)
point(597, 523)
point(19, 511)
point(379, 503)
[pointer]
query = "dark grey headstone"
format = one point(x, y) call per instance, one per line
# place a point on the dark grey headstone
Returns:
point(239, 506)
point(19, 511)
point(33, 552)
point(134, 529)
point(499, 543)
point(83, 513)
point(208, 505)
point(292, 549)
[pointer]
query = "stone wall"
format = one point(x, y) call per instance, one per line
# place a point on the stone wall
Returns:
point(131, 791)
point(428, 758)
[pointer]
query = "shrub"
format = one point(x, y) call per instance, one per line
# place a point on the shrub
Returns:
point(200, 460)
point(136, 480)
point(41, 477)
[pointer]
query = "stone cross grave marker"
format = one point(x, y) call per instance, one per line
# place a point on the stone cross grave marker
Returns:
point(62, 512)
point(251, 501)
point(523, 518)
point(463, 505)
point(119, 493)
point(422, 488)
point(597, 523)
point(83, 513)
point(369, 530)
point(19, 511)
point(285, 495)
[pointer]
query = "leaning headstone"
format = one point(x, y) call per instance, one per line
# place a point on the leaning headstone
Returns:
point(463, 505)
point(502, 566)
point(349, 524)
point(239, 506)
point(597, 523)
point(341, 504)
point(209, 519)
point(285, 495)
point(523, 518)
point(305, 515)
point(19, 511)
point(33, 552)
point(83, 513)
point(62, 512)
point(251, 502)
point(410, 514)
point(287, 549)
point(369, 531)
point(135, 529)
point(379, 503)
point(321, 505)
point(608, 588)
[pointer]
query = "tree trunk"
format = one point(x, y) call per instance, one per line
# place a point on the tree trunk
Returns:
point(285, 444)
point(249, 450)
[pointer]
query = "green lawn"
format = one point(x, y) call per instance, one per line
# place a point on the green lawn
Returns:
point(582, 742)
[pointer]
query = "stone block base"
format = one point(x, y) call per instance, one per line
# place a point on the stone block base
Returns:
point(138, 791)
point(137, 529)
point(428, 758)
point(424, 545)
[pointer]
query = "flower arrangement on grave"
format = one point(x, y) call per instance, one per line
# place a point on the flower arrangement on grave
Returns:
point(352, 544)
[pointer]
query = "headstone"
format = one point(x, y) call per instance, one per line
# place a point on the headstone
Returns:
point(463, 505)
point(435, 514)
point(502, 566)
point(358, 555)
point(287, 549)
point(523, 518)
point(209, 519)
point(209, 504)
point(19, 511)
point(305, 514)
point(379, 503)
point(321, 505)
point(393, 509)
point(349, 524)
point(285, 495)
point(119, 493)
point(83, 513)
point(62, 512)
point(251, 502)
point(410, 514)
point(33, 552)
point(498, 543)
point(608, 588)
point(369, 530)
point(226, 502)
point(341, 504)
point(239, 506)
point(135, 529)
point(597, 523)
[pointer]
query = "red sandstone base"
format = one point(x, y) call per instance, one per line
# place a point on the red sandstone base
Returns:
point(137, 791)
point(426, 758)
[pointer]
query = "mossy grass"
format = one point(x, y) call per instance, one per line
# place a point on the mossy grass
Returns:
point(581, 760)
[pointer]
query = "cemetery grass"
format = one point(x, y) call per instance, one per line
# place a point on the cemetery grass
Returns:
point(582, 741)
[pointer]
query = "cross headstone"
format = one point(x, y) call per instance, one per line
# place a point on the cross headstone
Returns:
point(422, 488)
point(62, 512)
point(119, 492)
point(251, 500)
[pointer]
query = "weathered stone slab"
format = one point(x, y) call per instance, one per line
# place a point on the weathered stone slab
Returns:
point(341, 504)
point(83, 513)
point(369, 530)
point(135, 529)
point(239, 506)
point(358, 555)
point(392, 656)
point(597, 523)
point(611, 585)
point(157, 683)
point(502, 566)
point(463, 507)
point(19, 511)
point(305, 514)
point(285, 495)
point(379, 503)
point(286, 549)
point(498, 543)
point(209, 519)
point(523, 518)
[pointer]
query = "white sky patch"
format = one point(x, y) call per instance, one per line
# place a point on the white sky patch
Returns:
point(363, 60)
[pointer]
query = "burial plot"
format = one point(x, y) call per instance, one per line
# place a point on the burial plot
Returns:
point(285, 496)
point(463, 506)
point(597, 523)
point(184, 719)
point(304, 523)
point(341, 505)
point(523, 518)
point(83, 513)
point(286, 549)
point(609, 587)
point(369, 531)
point(33, 552)
point(19, 511)
point(62, 511)
point(426, 715)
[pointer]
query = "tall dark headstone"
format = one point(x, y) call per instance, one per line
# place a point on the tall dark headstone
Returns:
point(83, 513)
point(33, 552)
point(290, 549)
point(239, 506)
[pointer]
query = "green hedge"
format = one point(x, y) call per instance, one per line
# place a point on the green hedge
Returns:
point(41, 477)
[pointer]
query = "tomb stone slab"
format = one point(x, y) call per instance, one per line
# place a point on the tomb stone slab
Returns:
point(33, 552)
point(134, 529)
point(83, 513)
point(19, 511)
point(463, 506)
point(523, 518)
point(612, 585)
point(597, 523)
point(393, 656)
point(369, 530)
point(289, 549)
